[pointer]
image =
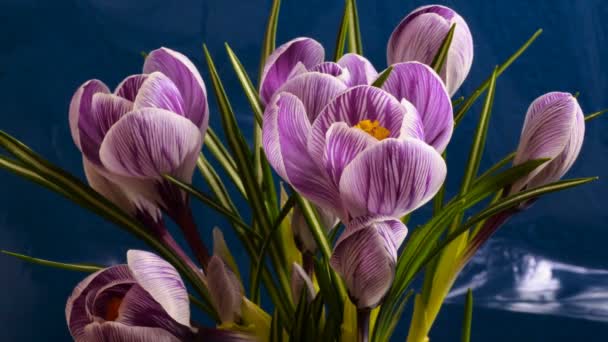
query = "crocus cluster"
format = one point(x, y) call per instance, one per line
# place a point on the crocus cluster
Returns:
point(367, 155)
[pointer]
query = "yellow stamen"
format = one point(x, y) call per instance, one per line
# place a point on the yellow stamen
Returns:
point(373, 128)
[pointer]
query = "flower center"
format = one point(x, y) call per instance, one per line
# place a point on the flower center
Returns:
point(112, 308)
point(373, 128)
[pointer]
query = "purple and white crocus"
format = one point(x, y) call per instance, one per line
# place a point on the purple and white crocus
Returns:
point(360, 156)
point(419, 36)
point(144, 300)
point(151, 124)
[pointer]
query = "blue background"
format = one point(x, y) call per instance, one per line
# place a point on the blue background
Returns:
point(48, 48)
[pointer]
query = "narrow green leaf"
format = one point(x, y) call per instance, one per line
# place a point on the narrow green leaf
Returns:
point(442, 53)
point(276, 328)
point(457, 101)
point(258, 265)
point(342, 32)
point(211, 203)
point(468, 317)
point(217, 149)
point(440, 196)
point(379, 82)
point(270, 191)
point(479, 140)
point(242, 156)
point(595, 115)
point(312, 221)
point(89, 268)
point(354, 33)
point(473, 97)
point(270, 36)
point(499, 165)
point(248, 87)
point(215, 183)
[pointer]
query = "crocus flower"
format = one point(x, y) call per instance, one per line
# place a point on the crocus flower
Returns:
point(144, 300)
point(152, 124)
point(302, 55)
point(316, 153)
point(554, 128)
point(419, 36)
point(225, 290)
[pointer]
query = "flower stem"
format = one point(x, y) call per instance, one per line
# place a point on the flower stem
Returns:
point(185, 221)
point(363, 325)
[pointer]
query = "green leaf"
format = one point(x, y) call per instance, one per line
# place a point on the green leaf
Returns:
point(595, 115)
point(499, 165)
point(270, 36)
point(82, 194)
point(242, 157)
point(217, 149)
point(88, 268)
point(328, 288)
point(342, 32)
point(211, 203)
point(354, 33)
point(276, 328)
point(468, 317)
point(473, 97)
point(479, 140)
point(215, 183)
point(457, 101)
point(442, 53)
point(248, 87)
point(266, 242)
point(379, 82)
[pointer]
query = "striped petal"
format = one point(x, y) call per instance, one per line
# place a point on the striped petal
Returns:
point(420, 85)
point(129, 87)
point(76, 311)
point(302, 51)
point(162, 282)
point(99, 180)
point(106, 110)
point(361, 71)
point(392, 178)
point(554, 128)
point(353, 106)
point(180, 70)
point(300, 281)
point(315, 90)
point(365, 257)
point(158, 91)
point(420, 35)
point(225, 290)
point(152, 142)
point(114, 331)
point(285, 134)
point(81, 105)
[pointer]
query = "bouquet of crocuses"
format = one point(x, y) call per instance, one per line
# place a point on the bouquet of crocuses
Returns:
point(357, 152)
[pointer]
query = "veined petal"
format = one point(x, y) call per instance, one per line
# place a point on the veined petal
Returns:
point(114, 331)
point(285, 134)
point(97, 179)
point(162, 282)
point(315, 90)
point(351, 107)
point(179, 69)
point(392, 178)
point(158, 91)
point(106, 110)
point(76, 310)
point(300, 281)
point(343, 145)
point(361, 71)
point(412, 123)
point(420, 35)
point(365, 264)
point(225, 290)
point(138, 308)
point(220, 248)
point(279, 65)
point(129, 87)
point(81, 105)
point(334, 69)
point(420, 85)
point(151, 142)
point(554, 128)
